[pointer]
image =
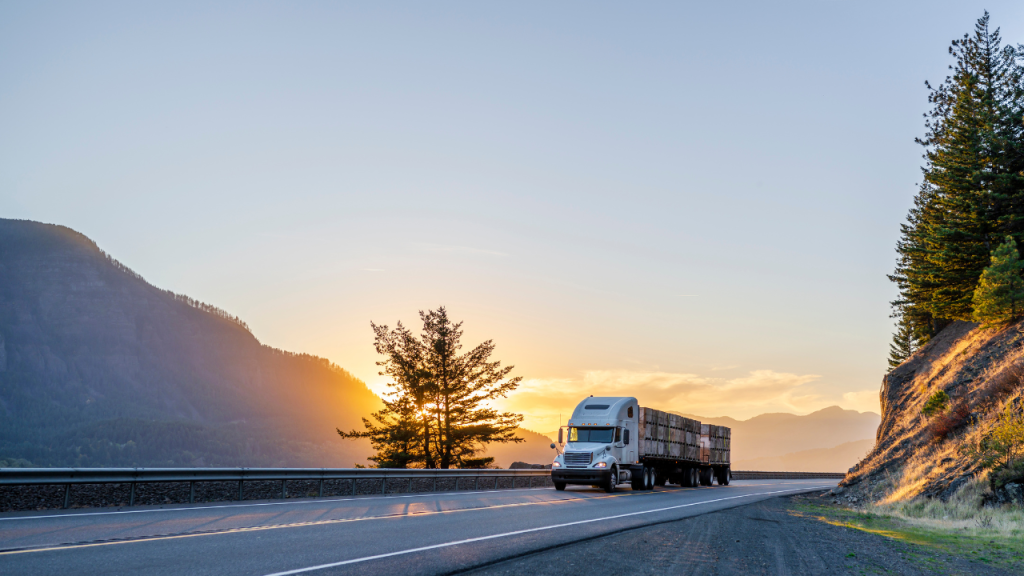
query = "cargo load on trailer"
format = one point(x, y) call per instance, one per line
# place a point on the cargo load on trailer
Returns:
point(611, 441)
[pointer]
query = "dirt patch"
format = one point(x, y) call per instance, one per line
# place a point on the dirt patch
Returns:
point(795, 535)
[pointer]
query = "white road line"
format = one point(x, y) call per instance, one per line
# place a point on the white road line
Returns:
point(526, 531)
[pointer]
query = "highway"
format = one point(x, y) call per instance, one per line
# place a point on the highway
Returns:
point(437, 533)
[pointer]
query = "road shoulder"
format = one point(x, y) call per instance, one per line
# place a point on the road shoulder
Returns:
point(801, 534)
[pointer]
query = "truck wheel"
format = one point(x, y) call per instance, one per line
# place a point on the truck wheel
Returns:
point(613, 480)
point(694, 477)
point(723, 479)
point(659, 478)
point(559, 485)
point(648, 478)
point(705, 477)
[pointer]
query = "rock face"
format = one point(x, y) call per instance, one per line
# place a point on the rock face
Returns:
point(98, 367)
point(980, 369)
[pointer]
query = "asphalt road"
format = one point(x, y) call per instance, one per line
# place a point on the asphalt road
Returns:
point(400, 534)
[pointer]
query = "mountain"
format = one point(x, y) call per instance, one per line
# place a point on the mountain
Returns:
point(100, 368)
point(982, 373)
point(536, 450)
point(771, 435)
point(836, 459)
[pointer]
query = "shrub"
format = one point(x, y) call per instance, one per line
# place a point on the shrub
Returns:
point(1013, 472)
point(947, 422)
point(1004, 443)
point(936, 403)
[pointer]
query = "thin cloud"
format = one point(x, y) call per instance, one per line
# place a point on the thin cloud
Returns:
point(458, 249)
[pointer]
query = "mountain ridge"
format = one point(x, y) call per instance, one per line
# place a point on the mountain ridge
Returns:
point(85, 340)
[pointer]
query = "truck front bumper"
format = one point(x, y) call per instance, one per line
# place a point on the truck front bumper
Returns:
point(581, 475)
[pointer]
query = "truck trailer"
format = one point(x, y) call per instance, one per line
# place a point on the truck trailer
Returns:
point(611, 441)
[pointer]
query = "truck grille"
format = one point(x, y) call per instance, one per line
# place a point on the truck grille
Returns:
point(578, 459)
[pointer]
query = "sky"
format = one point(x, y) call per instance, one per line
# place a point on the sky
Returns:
point(691, 203)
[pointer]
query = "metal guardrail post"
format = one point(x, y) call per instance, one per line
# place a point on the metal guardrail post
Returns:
point(191, 492)
point(67, 496)
point(353, 486)
point(131, 499)
point(321, 491)
point(383, 485)
point(284, 489)
point(240, 494)
point(476, 483)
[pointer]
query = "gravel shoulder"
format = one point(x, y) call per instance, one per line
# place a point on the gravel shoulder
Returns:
point(804, 534)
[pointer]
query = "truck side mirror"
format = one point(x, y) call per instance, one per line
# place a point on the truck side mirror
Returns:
point(625, 436)
point(552, 445)
point(560, 436)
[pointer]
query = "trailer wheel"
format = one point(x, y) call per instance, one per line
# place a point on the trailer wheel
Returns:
point(723, 477)
point(612, 482)
point(659, 478)
point(705, 477)
point(559, 485)
point(649, 478)
point(694, 477)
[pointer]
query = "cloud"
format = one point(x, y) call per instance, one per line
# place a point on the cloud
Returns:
point(542, 400)
point(862, 401)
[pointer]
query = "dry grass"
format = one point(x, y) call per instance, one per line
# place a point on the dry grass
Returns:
point(962, 513)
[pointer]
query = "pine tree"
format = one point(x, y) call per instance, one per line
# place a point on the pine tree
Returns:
point(1000, 292)
point(972, 192)
point(903, 343)
point(437, 414)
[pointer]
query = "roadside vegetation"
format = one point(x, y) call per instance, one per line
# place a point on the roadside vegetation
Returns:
point(936, 531)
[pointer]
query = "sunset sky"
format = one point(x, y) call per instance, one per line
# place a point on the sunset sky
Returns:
point(694, 204)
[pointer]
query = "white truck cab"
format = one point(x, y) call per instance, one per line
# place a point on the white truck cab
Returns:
point(599, 441)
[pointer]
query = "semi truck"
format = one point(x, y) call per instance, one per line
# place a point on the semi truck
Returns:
point(613, 440)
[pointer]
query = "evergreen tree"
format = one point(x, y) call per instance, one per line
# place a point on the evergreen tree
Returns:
point(1000, 292)
point(437, 415)
point(903, 343)
point(972, 192)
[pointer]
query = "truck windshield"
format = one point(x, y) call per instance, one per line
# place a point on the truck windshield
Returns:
point(591, 434)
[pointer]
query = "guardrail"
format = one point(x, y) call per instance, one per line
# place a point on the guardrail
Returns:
point(42, 488)
point(30, 488)
point(755, 475)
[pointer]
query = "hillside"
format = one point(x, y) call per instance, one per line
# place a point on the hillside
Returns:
point(100, 368)
point(536, 450)
point(980, 370)
point(836, 459)
point(775, 435)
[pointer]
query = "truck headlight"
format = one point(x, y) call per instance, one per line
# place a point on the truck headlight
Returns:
point(601, 465)
point(556, 464)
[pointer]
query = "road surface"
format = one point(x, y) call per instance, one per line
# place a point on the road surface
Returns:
point(400, 534)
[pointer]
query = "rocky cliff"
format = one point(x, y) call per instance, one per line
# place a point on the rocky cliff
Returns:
point(916, 455)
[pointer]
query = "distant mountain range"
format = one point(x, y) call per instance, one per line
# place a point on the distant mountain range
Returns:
point(829, 440)
point(835, 459)
point(100, 368)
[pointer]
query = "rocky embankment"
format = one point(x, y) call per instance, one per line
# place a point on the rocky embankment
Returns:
point(981, 371)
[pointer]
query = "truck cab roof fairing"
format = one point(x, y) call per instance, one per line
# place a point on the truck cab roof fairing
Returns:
point(601, 410)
